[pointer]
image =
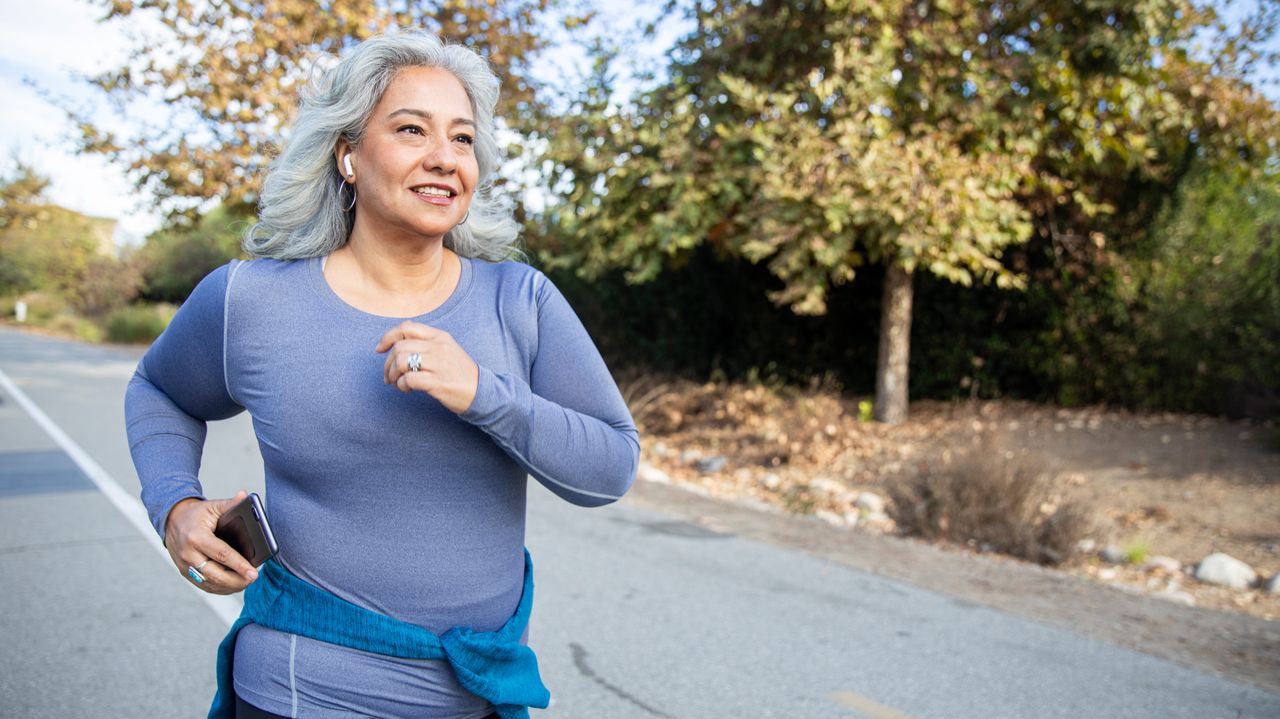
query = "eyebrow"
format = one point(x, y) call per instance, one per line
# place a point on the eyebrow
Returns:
point(428, 116)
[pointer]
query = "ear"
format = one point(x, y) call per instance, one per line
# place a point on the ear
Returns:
point(342, 155)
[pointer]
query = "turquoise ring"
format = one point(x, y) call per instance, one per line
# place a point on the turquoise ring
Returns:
point(195, 575)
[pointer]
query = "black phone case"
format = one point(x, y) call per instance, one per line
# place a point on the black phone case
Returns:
point(245, 528)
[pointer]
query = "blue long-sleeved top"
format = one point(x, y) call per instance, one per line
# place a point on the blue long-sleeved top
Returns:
point(387, 500)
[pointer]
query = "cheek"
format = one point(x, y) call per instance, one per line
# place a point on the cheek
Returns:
point(471, 171)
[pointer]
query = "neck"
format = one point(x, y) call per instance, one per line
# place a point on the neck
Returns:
point(396, 269)
point(393, 279)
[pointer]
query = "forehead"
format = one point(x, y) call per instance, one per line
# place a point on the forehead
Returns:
point(426, 88)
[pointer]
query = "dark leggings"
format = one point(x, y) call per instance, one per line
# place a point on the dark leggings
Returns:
point(245, 710)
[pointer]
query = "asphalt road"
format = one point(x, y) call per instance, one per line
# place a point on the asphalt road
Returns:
point(637, 614)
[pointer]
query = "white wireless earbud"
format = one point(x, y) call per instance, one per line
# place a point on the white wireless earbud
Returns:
point(346, 162)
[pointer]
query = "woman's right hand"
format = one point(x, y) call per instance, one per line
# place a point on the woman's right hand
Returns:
point(188, 535)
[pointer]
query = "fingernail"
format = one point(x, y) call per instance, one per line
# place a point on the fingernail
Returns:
point(253, 574)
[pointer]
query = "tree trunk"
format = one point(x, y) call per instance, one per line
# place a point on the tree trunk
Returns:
point(895, 346)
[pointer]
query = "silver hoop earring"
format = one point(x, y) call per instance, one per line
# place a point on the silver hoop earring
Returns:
point(463, 221)
point(351, 204)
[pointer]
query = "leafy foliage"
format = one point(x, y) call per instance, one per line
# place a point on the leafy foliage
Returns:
point(177, 257)
point(1209, 296)
point(817, 139)
point(50, 248)
point(227, 75)
point(139, 323)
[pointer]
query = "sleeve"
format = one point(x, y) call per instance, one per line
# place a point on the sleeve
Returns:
point(568, 427)
point(179, 385)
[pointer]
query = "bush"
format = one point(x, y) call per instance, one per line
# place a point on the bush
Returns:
point(175, 259)
point(106, 284)
point(139, 323)
point(73, 325)
point(985, 499)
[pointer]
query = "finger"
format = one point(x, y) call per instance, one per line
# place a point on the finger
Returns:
point(222, 506)
point(408, 382)
point(397, 362)
point(223, 554)
point(390, 366)
point(220, 580)
point(403, 331)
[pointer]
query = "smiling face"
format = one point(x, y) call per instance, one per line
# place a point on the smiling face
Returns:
point(415, 169)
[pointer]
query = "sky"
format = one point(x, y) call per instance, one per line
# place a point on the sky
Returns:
point(50, 43)
point(54, 44)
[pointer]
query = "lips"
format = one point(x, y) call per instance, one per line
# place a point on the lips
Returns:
point(435, 194)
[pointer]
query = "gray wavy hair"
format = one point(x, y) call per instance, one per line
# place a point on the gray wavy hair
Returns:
point(301, 208)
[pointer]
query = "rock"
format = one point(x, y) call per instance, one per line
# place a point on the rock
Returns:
point(827, 486)
point(829, 517)
point(771, 480)
point(650, 473)
point(1086, 546)
point(1107, 574)
point(1225, 570)
point(1176, 596)
point(710, 465)
point(1167, 564)
point(851, 519)
point(689, 456)
point(1273, 585)
point(871, 502)
point(660, 449)
point(1111, 554)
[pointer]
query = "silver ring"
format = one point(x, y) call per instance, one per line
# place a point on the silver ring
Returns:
point(195, 574)
point(415, 362)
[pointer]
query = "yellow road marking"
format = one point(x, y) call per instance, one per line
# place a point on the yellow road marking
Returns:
point(869, 707)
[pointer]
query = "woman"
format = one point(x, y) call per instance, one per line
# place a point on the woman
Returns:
point(403, 383)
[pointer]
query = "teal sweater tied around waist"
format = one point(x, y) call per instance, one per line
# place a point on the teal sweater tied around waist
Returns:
point(494, 666)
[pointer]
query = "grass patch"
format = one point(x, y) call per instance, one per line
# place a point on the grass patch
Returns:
point(1137, 552)
point(73, 325)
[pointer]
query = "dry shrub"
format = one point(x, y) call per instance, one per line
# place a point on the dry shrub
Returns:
point(644, 394)
point(987, 500)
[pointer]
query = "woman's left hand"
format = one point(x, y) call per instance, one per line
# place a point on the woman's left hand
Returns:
point(446, 371)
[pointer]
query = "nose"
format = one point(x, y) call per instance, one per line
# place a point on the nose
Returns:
point(440, 157)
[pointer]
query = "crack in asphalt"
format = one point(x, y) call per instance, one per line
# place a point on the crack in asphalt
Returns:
point(580, 661)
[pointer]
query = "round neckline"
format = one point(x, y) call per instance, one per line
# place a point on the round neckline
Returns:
point(315, 271)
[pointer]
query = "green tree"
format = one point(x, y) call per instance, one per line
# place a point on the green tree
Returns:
point(21, 200)
point(176, 258)
point(43, 246)
point(1207, 295)
point(820, 138)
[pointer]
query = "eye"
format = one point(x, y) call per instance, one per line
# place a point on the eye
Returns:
point(465, 139)
point(411, 129)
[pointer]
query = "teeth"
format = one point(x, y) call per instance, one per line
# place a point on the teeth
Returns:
point(432, 191)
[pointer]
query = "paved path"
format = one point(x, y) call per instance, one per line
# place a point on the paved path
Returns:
point(637, 614)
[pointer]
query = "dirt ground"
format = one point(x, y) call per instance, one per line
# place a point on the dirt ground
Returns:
point(1180, 486)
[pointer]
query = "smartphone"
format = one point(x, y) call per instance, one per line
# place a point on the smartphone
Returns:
point(245, 528)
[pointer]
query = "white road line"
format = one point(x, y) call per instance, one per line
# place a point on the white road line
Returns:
point(227, 608)
point(869, 707)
